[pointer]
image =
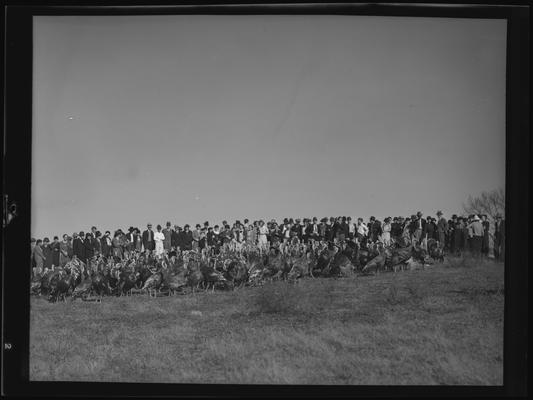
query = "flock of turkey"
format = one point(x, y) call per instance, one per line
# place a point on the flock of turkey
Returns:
point(191, 271)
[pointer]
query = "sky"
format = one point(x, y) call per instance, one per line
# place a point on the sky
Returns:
point(197, 118)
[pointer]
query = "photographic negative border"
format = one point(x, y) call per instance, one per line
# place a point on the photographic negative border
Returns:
point(17, 185)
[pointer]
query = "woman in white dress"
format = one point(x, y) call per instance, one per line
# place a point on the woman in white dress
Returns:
point(159, 237)
point(262, 235)
point(386, 228)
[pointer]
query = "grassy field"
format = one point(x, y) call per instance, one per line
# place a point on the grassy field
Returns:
point(441, 325)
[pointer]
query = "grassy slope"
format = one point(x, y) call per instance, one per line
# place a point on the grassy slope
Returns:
point(442, 325)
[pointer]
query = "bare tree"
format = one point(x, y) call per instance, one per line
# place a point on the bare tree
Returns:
point(489, 203)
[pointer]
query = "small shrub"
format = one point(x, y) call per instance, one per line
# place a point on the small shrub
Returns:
point(415, 290)
point(276, 297)
point(393, 296)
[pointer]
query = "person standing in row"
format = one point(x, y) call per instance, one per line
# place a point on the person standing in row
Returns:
point(117, 245)
point(419, 224)
point(186, 238)
point(174, 238)
point(485, 243)
point(89, 248)
point(148, 238)
point(106, 244)
point(196, 237)
point(476, 232)
point(159, 238)
point(452, 226)
point(442, 229)
point(130, 242)
point(167, 243)
point(77, 246)
point(39, 256)
point(48, 254)
point(262, 235)
point(97, 243)
point(362, 230)
point(56, 251)
point(138, 239)
point(386, 231)
point(375, 229)
point(64, 251)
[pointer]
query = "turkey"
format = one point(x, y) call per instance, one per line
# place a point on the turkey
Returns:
point(193, 274)
point(212, 278)
point(100, 282)
point(435, 250)
point(153, 283)
point(176, 282)
point(342, 266)
point(127, 281)
point(83, 289)
point(399, 258)
point(63, 285)
point(299, 267)
point(236, 272)
point(277, 266)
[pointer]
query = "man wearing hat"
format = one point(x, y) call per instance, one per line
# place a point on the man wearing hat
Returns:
point(476, 232)
point(419, 225)
point(148, 238)
point(130, 240)
point(442, 229)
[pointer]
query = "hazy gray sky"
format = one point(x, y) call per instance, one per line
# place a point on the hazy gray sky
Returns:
point(142, 119)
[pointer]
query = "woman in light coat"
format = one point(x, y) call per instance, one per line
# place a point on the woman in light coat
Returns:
point(159, 238)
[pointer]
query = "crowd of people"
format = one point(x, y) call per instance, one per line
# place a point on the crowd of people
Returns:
point(456, 235)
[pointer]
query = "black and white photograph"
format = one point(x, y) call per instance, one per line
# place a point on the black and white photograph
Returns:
point(268, 199)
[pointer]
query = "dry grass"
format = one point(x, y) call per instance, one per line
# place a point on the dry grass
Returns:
point(441, 325)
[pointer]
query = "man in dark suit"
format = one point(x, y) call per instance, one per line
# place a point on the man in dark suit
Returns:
point(396, 229)
point(77, 246)
point(430, 229)
point(174, 237)
point(186, 238)
point(375, 229)
point(148, 239)
point(89, 248)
